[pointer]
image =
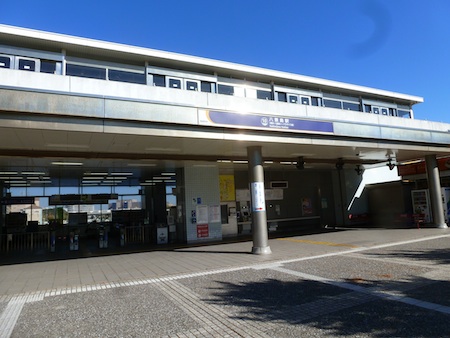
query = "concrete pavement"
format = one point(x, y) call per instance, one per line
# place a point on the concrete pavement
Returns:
point(358, 283)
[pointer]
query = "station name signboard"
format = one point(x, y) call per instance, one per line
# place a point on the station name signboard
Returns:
point(268, 122)
point(70, 199)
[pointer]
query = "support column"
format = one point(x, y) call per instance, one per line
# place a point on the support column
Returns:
point(434, 186)
point(258, 202)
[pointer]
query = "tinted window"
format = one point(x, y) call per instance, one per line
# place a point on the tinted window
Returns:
point(332, 103)
point(159, 80)
point(282, 97)
point(305, 100)
point(263, 95)
point(293, 98)
point(86, 71)
point(5, 62)
point(175, 83)
point(376, 110)
point(403, 113)
point(48, 66)
point(384, 111)
point(191, 85)
point(123, 76)
point(367, 108)
point(316, 101)
point(351, 106)
point(27, 65)
point(206, 87)
point(224, 89)
point(392, 112)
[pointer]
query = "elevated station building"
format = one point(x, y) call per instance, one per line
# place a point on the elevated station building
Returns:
point(183, 149)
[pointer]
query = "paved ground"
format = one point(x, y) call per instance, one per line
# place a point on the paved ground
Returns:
point(353, 283)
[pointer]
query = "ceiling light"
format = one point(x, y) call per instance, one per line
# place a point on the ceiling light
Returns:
point(168, 174)
point(67, 163)
point(141, 164)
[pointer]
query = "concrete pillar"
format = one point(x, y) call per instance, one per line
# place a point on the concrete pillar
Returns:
point(434, 187)
point(258, 202)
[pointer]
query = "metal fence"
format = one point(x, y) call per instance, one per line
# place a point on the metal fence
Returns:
point(136, 234)
point(27, 241)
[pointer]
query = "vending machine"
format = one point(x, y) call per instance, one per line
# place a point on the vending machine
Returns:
point(421, 203)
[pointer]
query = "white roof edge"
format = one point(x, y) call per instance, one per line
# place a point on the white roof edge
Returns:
point(62, 38)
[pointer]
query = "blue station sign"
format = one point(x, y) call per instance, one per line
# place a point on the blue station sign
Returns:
point(214, 117)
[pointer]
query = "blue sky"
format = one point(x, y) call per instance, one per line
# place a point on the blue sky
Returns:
point(397, 45)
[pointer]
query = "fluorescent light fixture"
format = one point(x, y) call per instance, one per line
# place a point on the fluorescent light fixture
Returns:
point(141, 164)
point(68, 163)
point(148, 183)
point(32, 173)
point(121, 174)
point(95, 174)
point(224, 161)
point(93, 177)
point(169, 150)
point(75, 146)
point(171, 181)
point(268, 162)
point(283, 162)
point(204, 165)
point(411, 162)
point(240, 162)
point(168, 174)
point(8, 173)
point(90, 182)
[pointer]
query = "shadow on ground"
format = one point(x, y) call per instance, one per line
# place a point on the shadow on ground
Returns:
point(332, 310)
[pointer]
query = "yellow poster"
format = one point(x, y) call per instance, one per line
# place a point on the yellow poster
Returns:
point(227, 189)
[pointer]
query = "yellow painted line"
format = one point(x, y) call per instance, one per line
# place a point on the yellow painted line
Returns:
point(316, 242)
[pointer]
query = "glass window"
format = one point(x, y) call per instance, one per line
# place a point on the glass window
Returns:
point(191, 85)
point(224, 89)
point(27, 65)
point(392, 112)
point(404, 113)
point(351, 106)
point(48, 66)
point(263, 95)
point(5, 62)
point(206, 87)
point(305, 100)
point(293, 98)
point(332, 103)
point(367, 108)
point(384, 111)
point(282, 97)
point(316, 101)
point(175, 83)
point(159, 80)
point(86, 71)
point(376, 110)
point(124, 76)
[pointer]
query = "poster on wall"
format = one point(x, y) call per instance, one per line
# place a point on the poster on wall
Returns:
point(214, 214)
point(227, 189)
point(307, 208)
point(202, 230)
point(202, 214)
point(258, 198)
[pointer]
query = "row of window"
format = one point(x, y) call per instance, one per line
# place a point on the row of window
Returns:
point(140, 77)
